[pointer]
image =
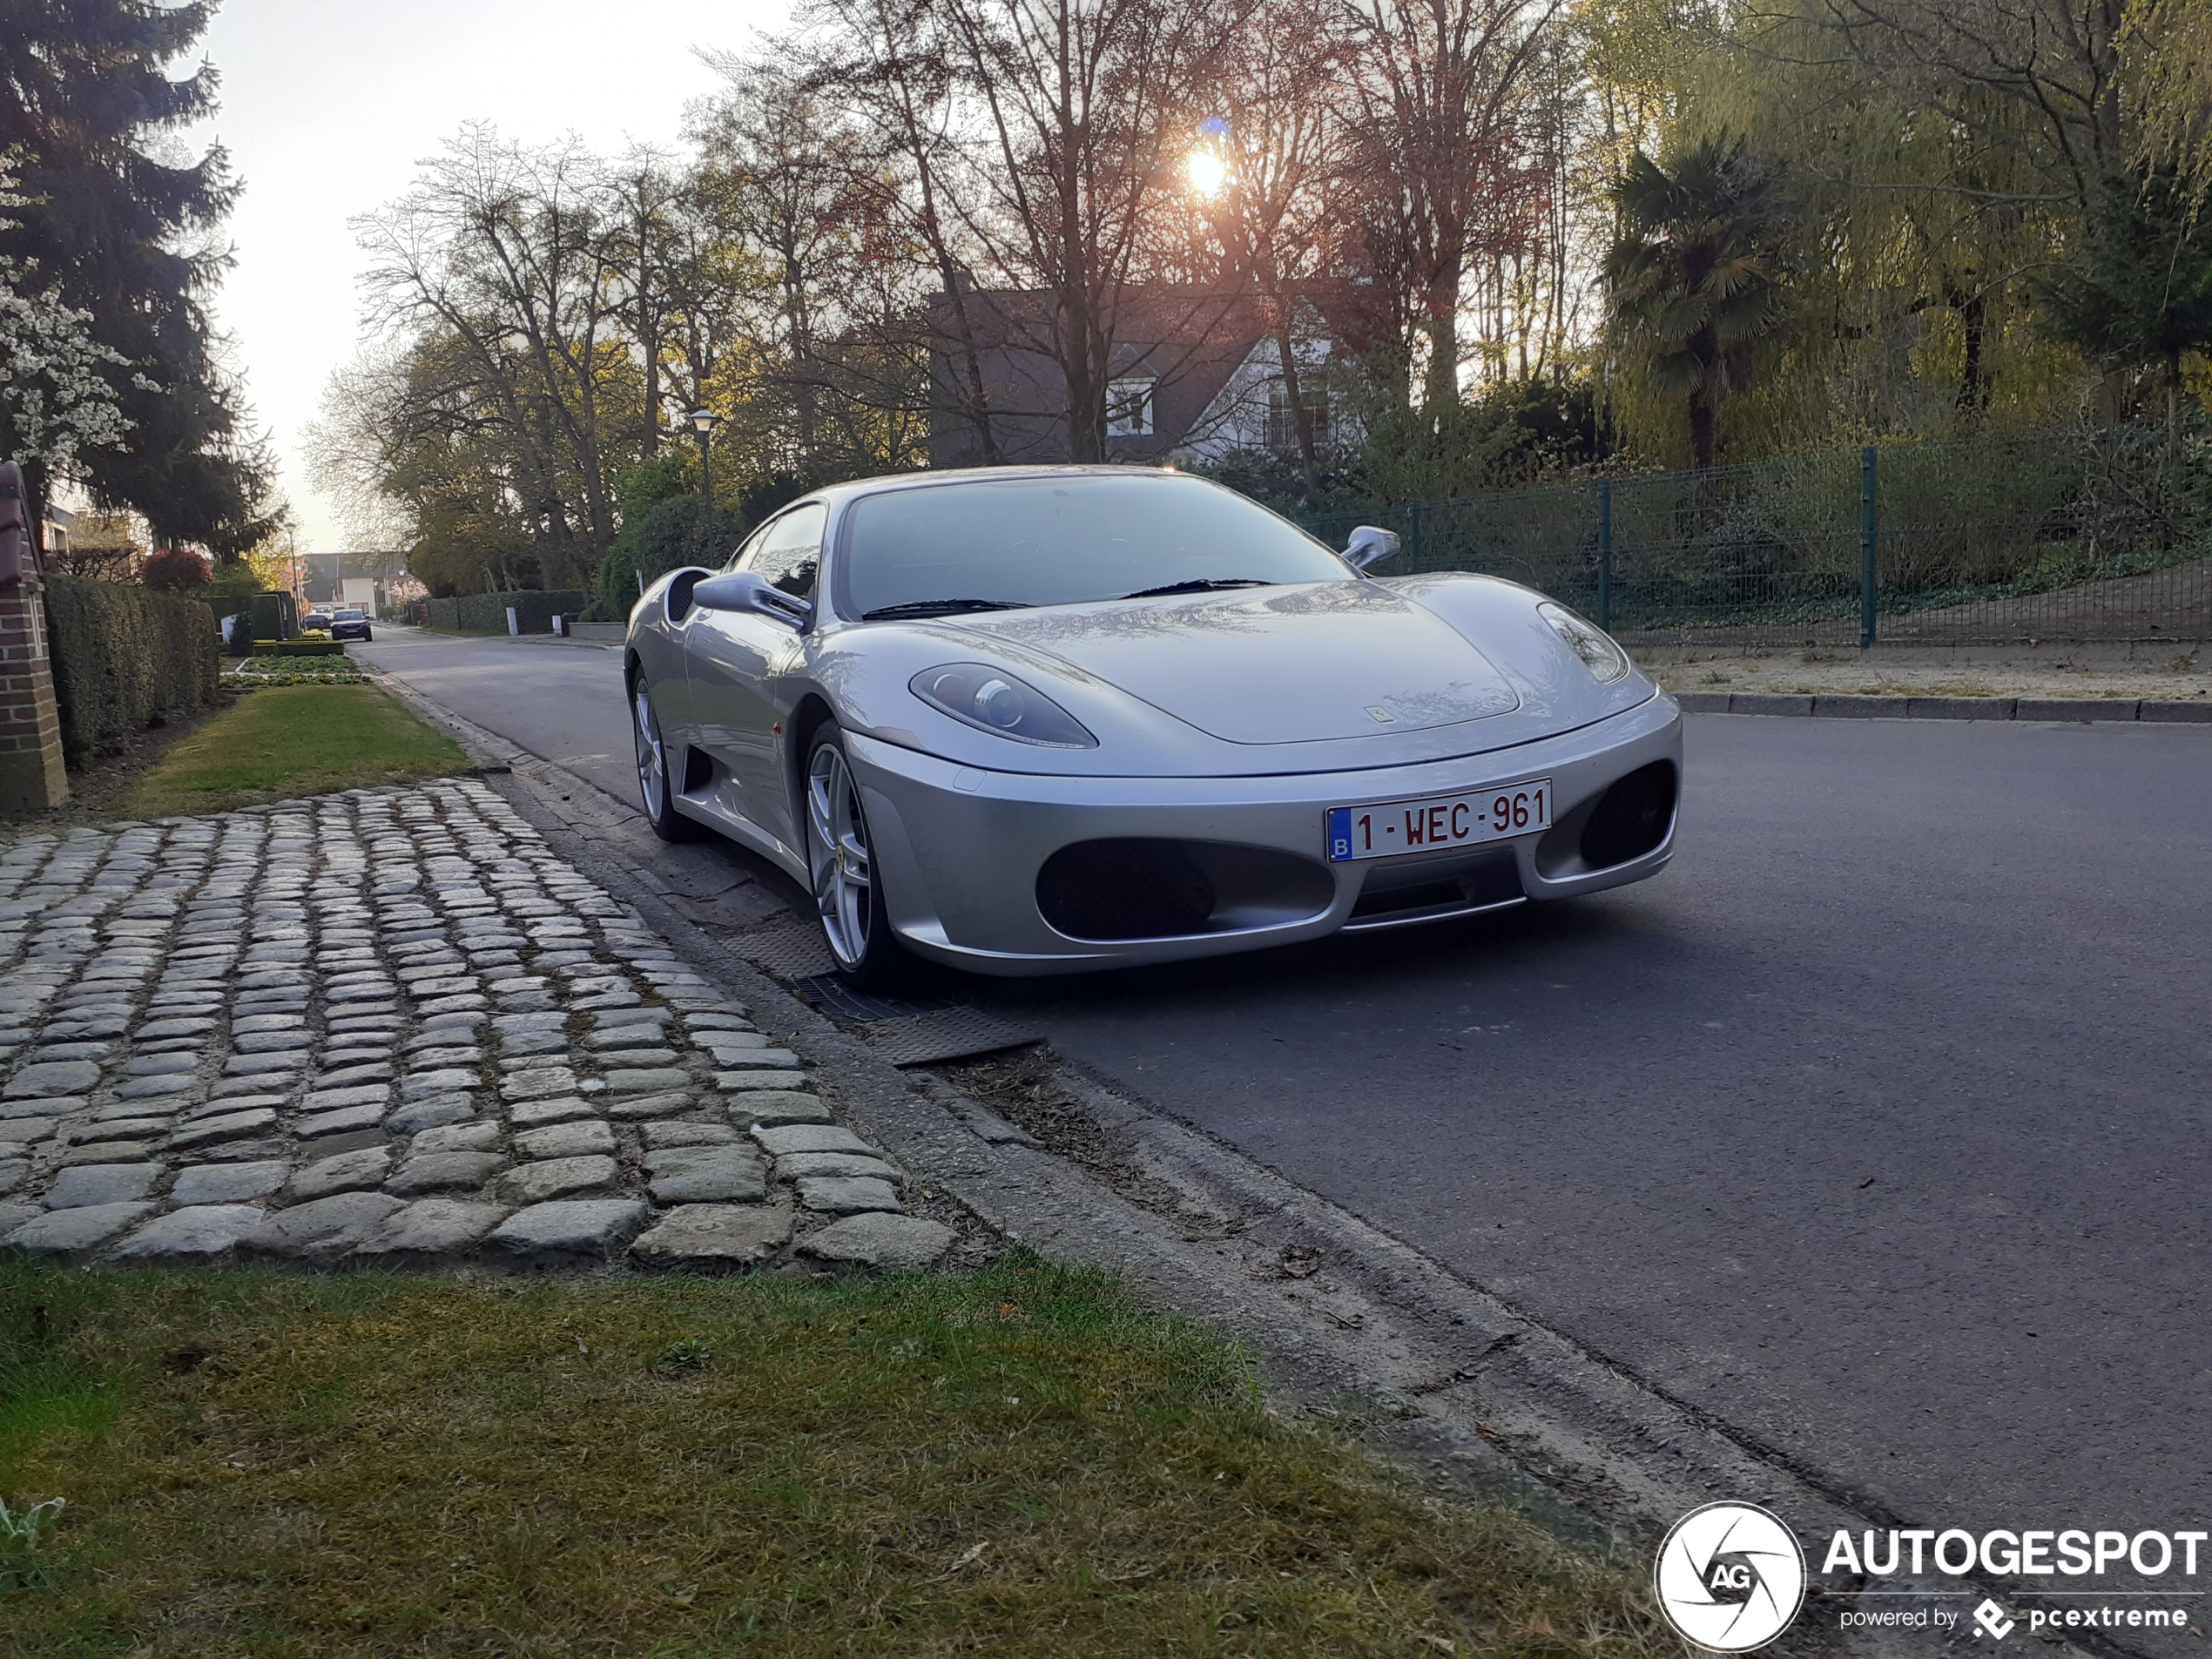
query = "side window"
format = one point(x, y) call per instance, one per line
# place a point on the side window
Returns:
point(747, 550)
point(787, 553)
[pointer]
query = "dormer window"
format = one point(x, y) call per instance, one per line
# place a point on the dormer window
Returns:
point(1128, 408)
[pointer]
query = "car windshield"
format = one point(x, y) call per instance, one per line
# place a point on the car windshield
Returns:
point(991, 544)
point(349, 616)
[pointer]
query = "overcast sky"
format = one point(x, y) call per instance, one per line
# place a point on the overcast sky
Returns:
point(328, 105)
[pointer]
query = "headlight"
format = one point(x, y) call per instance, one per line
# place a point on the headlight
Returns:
point(1600, 655)
point(991, 700)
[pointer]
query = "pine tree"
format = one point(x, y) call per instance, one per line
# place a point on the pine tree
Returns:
point(2140, 291)
point(84, 106)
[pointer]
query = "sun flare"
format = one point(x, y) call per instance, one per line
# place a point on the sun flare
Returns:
point(1207, 170)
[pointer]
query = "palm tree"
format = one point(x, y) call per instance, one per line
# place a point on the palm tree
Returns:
point(1692, 277)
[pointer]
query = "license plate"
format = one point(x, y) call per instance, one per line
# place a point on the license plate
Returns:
point(1439, 822)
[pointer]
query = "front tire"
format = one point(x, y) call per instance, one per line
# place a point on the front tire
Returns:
point(849, 887)
point(654, 784)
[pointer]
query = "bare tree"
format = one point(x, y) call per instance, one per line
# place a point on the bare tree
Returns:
point(897, 65)
point(1279, 209)
point(505, 251)
point(1441, 105)
point(346, 453)
point(778, 159)
point(1084, 104)
point(646, 240)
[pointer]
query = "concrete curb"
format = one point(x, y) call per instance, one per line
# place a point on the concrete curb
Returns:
point(2144, 710)
point(1443, 1373)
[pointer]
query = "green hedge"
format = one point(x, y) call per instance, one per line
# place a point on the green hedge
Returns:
point(486, 613)
point(125, 658)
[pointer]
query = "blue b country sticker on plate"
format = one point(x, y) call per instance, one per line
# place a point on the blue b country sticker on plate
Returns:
point(1340, 834)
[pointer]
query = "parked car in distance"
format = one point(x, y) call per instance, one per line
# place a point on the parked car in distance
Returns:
point(350, 623)
point(316, 621)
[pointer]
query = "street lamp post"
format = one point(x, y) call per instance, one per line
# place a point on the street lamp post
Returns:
point(704, 422)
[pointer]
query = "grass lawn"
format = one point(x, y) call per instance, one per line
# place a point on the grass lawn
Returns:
point(1021, 1461)
point(288, 740)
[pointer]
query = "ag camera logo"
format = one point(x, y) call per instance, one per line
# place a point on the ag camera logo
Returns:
point(1730, 1577)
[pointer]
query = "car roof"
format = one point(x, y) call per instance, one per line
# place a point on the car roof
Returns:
point(886, 482)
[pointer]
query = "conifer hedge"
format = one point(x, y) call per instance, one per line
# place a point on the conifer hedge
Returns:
point(126, 659)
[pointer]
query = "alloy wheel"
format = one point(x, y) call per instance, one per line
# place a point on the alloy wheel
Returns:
point(837, 844)
point(652, 757)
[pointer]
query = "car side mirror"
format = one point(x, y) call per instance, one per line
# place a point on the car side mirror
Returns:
point(1370, 544)
point(746, 591)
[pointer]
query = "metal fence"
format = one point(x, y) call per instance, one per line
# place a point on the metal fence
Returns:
point(2090, 534)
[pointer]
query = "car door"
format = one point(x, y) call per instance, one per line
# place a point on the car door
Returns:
point(736, 660)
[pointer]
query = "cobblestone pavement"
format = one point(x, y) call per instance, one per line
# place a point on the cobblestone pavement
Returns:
point(391, 1026)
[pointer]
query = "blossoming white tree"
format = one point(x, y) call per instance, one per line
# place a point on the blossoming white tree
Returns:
point(56, 397)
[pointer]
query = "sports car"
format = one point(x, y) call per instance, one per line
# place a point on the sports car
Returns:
point(1044, 719)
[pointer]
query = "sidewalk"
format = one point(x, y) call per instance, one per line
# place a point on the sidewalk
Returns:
point(392, 1027)
point(2017, 672)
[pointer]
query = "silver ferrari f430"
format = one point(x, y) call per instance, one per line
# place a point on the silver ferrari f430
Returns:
point(1043, 719)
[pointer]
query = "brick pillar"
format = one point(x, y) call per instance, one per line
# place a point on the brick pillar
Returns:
point(31, 776)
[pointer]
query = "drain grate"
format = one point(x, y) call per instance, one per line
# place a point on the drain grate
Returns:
point(791, 951)
point(949, 1034)
point(907, 1031)
point(835, 998)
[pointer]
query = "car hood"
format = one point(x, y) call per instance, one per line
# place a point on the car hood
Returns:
point(1313, 662)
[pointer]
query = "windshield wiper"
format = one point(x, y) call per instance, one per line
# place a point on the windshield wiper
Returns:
point(939, 608)
point(1204, 584)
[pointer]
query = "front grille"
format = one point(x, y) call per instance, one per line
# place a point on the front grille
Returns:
point(1410, 892)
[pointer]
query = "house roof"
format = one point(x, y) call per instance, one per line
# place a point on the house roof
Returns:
point(1190, 339)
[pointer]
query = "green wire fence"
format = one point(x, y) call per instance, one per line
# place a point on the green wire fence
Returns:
point(2090, 534)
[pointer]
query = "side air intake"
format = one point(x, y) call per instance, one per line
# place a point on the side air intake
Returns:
point(1632, 817)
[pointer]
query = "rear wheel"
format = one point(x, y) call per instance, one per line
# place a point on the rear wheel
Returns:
point(849, 887)
point(654, 787)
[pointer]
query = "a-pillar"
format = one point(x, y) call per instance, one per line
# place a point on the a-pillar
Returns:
point(31, 774)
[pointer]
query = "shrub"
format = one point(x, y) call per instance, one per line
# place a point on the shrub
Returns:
point(176, 571)
point(671, 531)
point(486, 613)
point(125, 659)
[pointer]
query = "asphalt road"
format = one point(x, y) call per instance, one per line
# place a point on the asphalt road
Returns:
point(1876, 1127)
point(560, 700)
